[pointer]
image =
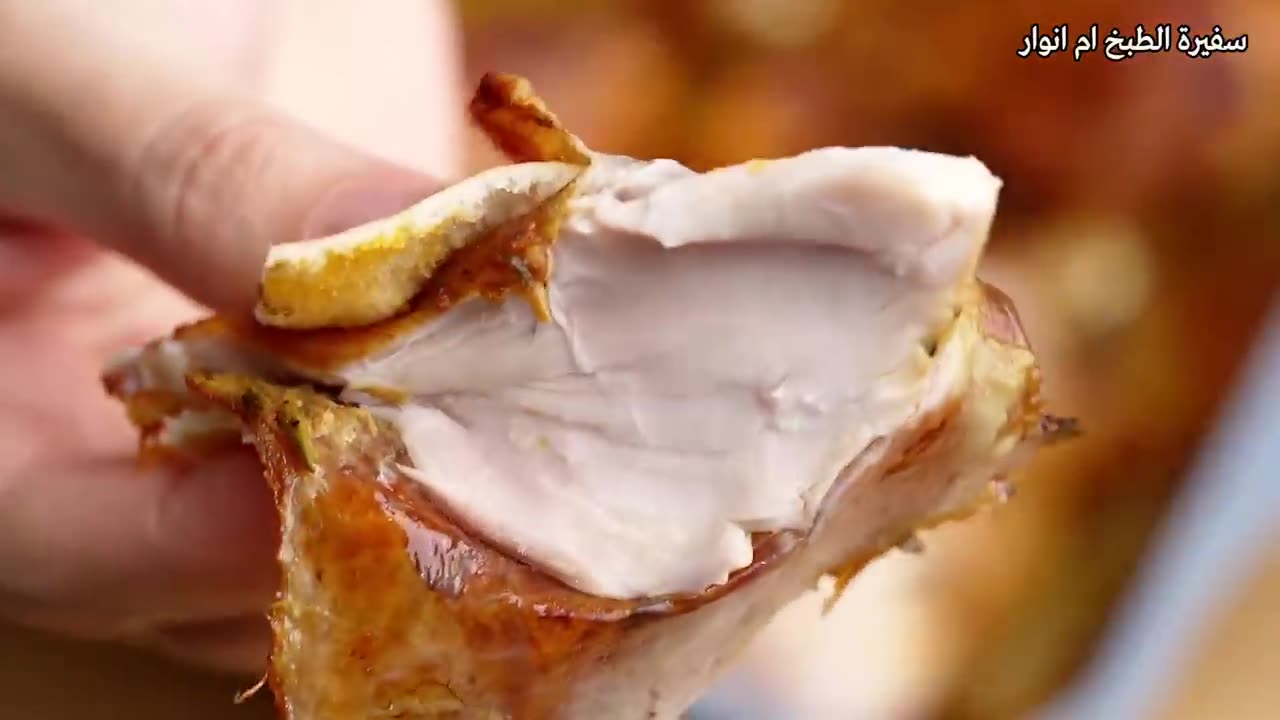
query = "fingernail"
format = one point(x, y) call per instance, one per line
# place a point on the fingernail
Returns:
point(352, 203)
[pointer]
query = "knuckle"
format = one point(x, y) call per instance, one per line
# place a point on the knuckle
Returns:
point(196, 164)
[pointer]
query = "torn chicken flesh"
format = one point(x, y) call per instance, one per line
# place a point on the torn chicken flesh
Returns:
point(707, 371)
point(684, 396)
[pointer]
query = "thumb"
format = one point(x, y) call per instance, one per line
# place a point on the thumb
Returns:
point(218, 183)
point(186, 177)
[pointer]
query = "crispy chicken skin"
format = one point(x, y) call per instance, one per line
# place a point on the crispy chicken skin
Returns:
point(393, 606)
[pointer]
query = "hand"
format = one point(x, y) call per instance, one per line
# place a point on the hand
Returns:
point(132, 150)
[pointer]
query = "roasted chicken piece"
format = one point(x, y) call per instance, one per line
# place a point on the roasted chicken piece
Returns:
point(556, 442)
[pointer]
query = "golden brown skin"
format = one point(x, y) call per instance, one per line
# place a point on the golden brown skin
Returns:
point(391, 609)
point(520, 124)
point(351, 287)
point(513, 258)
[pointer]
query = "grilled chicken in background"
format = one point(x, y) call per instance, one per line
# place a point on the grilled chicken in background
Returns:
point(557, 441)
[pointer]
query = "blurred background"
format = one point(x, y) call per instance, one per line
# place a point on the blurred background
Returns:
point(1138, 234)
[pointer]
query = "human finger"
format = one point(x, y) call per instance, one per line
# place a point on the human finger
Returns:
point(97, 547)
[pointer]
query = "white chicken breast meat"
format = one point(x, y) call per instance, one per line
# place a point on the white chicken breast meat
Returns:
point(558, 440)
